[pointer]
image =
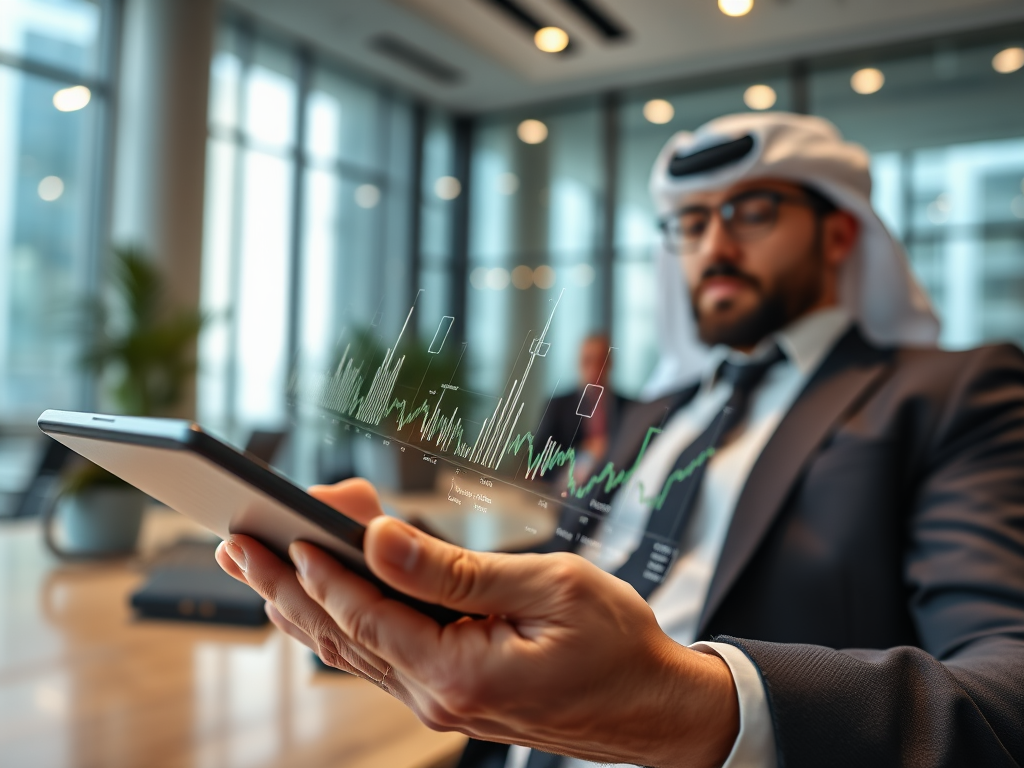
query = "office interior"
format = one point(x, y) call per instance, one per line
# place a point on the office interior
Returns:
point(303, 174)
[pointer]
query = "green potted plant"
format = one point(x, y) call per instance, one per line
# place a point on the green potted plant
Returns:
point(142, 354)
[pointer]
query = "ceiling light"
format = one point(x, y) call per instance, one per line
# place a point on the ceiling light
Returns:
point(51, 188)
point(659, 111)
point(497, 279)
point(522, 277)
point(1008, 60)
point(551, 39)
point(532, 131)
point(867, 80)
point(72, 99)
point(544, 277)
point(760, 97)
point(583, 274)
point(367, 195)
point(447, 187)
point(508, 183)
point(478, 278)
point(735, 7)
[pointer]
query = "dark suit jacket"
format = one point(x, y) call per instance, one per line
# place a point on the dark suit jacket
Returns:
point(885, 518)
point(565, 426)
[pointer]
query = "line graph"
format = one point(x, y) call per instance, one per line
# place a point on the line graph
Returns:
point(440, 428)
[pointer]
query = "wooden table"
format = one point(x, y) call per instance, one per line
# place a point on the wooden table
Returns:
point(82, 683)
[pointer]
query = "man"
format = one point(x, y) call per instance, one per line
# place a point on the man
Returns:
point(587, 417)
point(842, 504)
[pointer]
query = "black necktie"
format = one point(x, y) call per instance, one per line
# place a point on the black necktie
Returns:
point(647, 566)
point(651, 561)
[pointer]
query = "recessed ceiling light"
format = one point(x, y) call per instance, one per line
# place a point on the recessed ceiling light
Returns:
point(659, 111)
point(760, 97)
point(1008, 60)
point(532, 131)
point(51, 188)
point(508, 183)
point(551, 39)
point(544, 277)
point(497, 279)
point(868, 80)
point(522, 277)
point(72, 99)
point(367, 195)
point(583, 274)
point(735, 7)
point(447, 187)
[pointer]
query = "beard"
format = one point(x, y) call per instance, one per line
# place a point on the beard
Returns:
point(795, 292)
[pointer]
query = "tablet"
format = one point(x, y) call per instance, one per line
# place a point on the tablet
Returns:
point(177, 463)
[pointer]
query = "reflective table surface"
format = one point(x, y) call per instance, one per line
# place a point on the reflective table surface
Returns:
point(84, 683)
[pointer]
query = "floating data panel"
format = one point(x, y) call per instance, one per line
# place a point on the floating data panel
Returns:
point(589, 400)
point(539, 347)
point(493, 473)
point(441, 335)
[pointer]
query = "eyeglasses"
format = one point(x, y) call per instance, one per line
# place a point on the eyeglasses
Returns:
point(747, 216)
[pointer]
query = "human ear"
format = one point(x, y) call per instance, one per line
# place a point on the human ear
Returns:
point(840, 233)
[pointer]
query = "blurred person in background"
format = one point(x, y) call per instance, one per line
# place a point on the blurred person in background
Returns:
point(585, 418)
point(833, 573)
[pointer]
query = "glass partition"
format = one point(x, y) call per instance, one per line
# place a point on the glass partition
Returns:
point(53, 118)
point(946, 131)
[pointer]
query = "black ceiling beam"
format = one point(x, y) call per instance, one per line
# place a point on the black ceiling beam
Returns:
point(609, 28)
point(520, 14)
point(526, 19)
point(416, 59)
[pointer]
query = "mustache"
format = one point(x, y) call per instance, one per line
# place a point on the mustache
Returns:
point(726, 269)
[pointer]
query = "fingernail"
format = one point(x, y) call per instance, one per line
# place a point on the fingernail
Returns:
point(237, 554)
point(401, 547)
point(298, 559)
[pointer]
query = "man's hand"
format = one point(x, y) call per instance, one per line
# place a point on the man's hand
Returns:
point(569, 660)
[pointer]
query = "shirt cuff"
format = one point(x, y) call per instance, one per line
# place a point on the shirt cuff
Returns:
point(755, 745)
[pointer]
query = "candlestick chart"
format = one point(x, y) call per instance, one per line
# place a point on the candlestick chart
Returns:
point(374, 398)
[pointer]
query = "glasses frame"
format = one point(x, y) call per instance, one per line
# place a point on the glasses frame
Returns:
point(726, 211)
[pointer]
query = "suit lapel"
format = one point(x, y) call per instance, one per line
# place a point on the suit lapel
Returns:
point(640, 418)
point(843, 380)
point(636, 421)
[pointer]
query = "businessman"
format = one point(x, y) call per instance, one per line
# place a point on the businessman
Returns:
point(838, 580)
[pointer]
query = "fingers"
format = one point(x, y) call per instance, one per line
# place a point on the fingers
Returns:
point(356, 499)
point(275, 581)
point(278, 620)
point(362, 612)
point(226, 560)
point(472, 582)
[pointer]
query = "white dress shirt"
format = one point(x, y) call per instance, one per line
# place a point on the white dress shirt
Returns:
point(678, 602)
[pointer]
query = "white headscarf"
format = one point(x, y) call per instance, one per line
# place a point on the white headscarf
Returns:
point(876, 285)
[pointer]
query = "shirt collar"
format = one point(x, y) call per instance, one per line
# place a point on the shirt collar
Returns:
point(804, 342)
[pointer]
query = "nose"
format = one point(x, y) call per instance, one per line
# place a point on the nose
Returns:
point(717, 245)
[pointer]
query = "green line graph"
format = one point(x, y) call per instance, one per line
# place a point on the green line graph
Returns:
point(431, 424)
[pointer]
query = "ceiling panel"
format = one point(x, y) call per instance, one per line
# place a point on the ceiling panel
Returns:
point(498, 65)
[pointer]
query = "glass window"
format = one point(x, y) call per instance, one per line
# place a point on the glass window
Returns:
point(438, 194)
point(945, 130)
point(535, 238)
point(247, 262)
point(65, 34)
point(51, 188)
point(353, 144)
point(343, 117)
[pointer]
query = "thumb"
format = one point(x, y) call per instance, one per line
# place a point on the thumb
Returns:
point(355, 498)
point(429, 569)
